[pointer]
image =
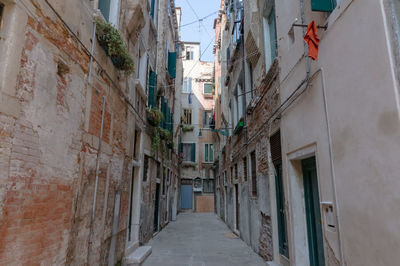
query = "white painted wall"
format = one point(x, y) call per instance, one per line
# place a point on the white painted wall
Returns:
point(363, 115)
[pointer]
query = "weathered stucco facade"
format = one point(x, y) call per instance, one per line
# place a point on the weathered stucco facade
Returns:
point(197, 111)
point(56, 99)
point(332, 123)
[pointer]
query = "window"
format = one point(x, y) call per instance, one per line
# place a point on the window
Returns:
point(208, 153)
point(142, 65)
point(208, 186)
point(153, 10)
point(110, 10)
point(208, 88)
point(251, 79)
point(270, 41)
point(238, 105)
point(276, 157)
point(207, 118)
point(136, 145)
point(253, 174)
point(1, 14)
point(145, 168)
point(225, 179)
point(189, 152)
point(231, 175)
point(236, 172)
point(245, 168)
point(228, 56)
point(164, 178)
point(189, 53)
point(187, 85)
point(187, 116)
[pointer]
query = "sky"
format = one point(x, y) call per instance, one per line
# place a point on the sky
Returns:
point(192, 10)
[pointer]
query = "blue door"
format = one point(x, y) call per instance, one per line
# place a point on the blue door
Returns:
point(186, 196)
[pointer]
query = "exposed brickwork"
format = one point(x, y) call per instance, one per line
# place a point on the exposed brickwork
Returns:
point(37, 209)
point(266, 245)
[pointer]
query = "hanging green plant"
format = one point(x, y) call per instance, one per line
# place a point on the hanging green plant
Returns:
point(155, 140)
point(186, 128)
point(165, 134)
point(154, 116)
point(111, 41)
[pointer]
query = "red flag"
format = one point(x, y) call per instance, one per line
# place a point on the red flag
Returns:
point(312, 40)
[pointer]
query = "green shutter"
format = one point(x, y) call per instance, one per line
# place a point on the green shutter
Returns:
point(172, 64)
point(211, 153)
point(193, 152)
point(152, 89)
point(323, 5)
point(104, 6)
point(206, 152)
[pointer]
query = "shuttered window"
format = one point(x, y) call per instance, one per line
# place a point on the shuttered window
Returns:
point(323, 5)
point(152, 89)
point(104, 6)
point(172, 64)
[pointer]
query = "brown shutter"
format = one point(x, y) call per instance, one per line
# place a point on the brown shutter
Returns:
point(275, 141)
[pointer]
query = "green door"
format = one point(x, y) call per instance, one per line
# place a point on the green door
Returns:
point(313, 214)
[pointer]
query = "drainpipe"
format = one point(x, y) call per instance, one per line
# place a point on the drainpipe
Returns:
point(97, 180)
point(331, 164)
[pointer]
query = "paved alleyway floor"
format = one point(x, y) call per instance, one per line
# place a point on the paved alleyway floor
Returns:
point(200, 239)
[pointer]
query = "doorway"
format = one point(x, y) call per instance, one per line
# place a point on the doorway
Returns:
point(186, 197)
point(313, 213)
point(155, 229)
point(237, 205)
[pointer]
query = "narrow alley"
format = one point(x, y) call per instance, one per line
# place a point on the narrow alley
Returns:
point(200, 132)
point(200, 239)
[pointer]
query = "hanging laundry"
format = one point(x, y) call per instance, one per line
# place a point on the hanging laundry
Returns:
point(312, 40)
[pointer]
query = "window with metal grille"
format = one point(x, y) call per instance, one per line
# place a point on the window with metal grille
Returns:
point(208, 186)
point(253, 174)
point(187, 116)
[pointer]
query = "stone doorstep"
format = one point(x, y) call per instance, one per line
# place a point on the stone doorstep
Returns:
point(138, 256)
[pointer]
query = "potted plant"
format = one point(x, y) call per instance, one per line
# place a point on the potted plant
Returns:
point(154, 116)
point(186, 128)
point(112, 43)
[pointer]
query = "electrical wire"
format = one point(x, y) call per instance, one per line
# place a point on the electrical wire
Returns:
point(195, 13)
point(199, 20)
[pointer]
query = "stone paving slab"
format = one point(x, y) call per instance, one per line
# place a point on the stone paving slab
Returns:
point(200, 239)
